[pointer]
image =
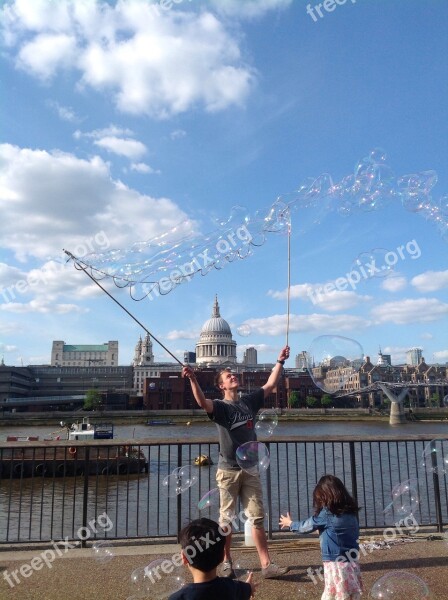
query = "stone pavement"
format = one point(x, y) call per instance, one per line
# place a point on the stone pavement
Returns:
point(78, 576)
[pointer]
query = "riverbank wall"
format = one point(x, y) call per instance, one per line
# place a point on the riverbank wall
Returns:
point(139, 417)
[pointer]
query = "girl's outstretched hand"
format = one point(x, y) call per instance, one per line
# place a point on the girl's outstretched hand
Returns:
point(285, 521)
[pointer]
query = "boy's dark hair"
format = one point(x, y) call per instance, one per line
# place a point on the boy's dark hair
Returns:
point(203, 544)
point(331, 493)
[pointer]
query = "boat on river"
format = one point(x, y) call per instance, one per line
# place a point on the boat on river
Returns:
point(23, 458)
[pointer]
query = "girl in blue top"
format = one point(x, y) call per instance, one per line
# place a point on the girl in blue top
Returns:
point(335, 518)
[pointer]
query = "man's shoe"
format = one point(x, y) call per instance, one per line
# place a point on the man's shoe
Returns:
point(227, 570)
point(272, 571)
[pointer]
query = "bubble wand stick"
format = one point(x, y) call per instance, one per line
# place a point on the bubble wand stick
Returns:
point(81, 268)
point(288, 292)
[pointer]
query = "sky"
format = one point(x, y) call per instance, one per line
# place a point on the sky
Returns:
point(142, 122)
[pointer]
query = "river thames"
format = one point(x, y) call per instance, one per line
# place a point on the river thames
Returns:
point(45, 508)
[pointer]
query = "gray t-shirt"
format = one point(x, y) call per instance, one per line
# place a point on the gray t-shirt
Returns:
point(235, 422)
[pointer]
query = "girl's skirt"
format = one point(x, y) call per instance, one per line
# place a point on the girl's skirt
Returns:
point(342, 580)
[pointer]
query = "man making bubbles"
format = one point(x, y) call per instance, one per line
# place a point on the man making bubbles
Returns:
point(234, 417)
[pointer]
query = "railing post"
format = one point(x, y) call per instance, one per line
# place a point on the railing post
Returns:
point(269, 492)
point(179, 496)
point(353, 471)
point(435, 479)
point(85, 496)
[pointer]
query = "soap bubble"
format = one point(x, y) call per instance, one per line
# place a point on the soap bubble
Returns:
point(241, 569)
point(179, 480)
point(400, 584)
point(102, 552)
point(435, 457)
point(375, 263)
point(212, 499)
point(405, 501)
point(445, 401)
point(153, 581)
point(332, 360)
point(244, 330)
point(266, 423)
point(253, 457)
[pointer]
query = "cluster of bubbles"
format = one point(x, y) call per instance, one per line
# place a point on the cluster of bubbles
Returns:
point(160, 264)
point(156, 581)
point(405, 501)
point(179, 481)
point(266, 423)
point(102, 552)
point(334, 353)
point(400, 584)
point(253, 457)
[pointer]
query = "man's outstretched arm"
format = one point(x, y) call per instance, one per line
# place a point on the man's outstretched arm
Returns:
point(198, 394)
point(271, 383)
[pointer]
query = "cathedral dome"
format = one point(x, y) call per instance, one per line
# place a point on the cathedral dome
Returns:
point(216, 324)
point(215, 345)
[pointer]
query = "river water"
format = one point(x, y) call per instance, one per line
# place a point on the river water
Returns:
point(44, 508)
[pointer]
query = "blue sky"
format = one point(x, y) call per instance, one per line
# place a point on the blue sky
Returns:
point(121, 120)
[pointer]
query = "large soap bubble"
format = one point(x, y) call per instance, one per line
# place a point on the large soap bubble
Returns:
point(405, 501)
point(400, 584)
point(333, 360)
point(435, 457)
point(179, 481)
point(161, 578)
point(102, 551)
point(253, 457)
point(214, 498)
point(266, 423)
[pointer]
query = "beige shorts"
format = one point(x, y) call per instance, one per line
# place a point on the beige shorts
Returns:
point(236, 483)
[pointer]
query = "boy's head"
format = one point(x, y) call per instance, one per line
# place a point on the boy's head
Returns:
point(202, 544)
point(225, 379)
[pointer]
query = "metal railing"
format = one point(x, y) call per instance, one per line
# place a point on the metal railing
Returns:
point(52, 490)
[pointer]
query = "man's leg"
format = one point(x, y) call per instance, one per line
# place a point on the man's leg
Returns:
point(228, 484)
point(261, 543)
point(252, 499)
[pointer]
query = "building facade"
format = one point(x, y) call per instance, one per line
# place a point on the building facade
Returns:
point(84, 355)
point(250, 357)
point(413, 356)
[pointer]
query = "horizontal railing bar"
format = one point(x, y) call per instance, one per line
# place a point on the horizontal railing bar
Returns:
point(192, 441)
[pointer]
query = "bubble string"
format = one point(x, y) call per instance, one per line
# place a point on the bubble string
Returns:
point(160, 264)
point(82, 268)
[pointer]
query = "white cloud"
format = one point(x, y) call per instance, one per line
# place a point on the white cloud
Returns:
point(333, 301)
point(7, 348)
point(407, 311)
point(65, 113)
point(41, 306)
point(276, 324)
point(441, 355)
point(427, 336)
point(394, 284)
point(97, 134)
point(53, 200)
point(144, 168)
point(122, 146)
point(182, 334)
point(149, 61)
point(178, 134)
point(431, 281)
